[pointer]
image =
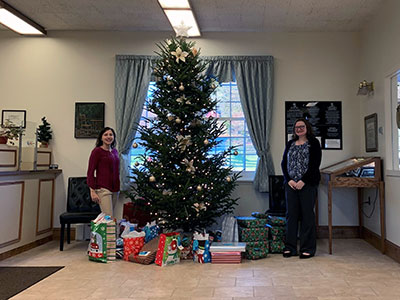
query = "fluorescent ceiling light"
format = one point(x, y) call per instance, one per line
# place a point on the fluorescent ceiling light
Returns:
point(181, 18)
point(18, 22)
point(174, 3)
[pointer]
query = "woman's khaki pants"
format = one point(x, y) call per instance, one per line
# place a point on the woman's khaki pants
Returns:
point(108, 200)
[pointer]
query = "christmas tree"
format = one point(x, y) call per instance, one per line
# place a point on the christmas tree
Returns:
point(44, 132)
point(180, 180)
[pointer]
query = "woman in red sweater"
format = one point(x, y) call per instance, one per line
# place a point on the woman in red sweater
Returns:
point(104, 161)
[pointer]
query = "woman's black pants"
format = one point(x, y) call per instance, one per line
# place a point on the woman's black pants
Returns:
point(300, 208)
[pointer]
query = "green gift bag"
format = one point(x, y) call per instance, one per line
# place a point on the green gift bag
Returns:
point(98, 242)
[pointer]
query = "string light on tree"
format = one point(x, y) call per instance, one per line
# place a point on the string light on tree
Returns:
point(176, 145)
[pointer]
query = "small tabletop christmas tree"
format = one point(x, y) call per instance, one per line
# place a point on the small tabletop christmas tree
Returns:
point(180, 180)
point(44, 132)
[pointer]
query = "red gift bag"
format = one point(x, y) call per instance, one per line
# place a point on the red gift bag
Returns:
point(168, 252)
point(133, 246)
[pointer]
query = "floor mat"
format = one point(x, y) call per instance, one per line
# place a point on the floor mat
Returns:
point(14, 280)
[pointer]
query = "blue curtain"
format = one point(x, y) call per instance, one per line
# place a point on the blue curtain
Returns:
point(132, 78)
point(254, 77)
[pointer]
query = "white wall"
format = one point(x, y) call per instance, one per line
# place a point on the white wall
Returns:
point(380, 56)
point(46, 76)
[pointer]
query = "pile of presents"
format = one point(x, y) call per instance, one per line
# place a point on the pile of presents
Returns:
point(144, 245)
point(256, 236)
point(262, 233)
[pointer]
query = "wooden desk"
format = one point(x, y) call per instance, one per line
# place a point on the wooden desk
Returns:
point(340, 175)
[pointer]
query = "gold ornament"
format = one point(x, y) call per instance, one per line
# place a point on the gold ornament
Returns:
point(135, 145)
point(170, 117)
point(235, 153)
point(228, 178)
point(136, 163)
point(181, 87)
point(152, 178)
point(206, 142)
point(199, 188)
point(177, 120)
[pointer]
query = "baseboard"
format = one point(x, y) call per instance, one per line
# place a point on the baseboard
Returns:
point(57, 234)
point(24, 248)
point(391, 250)
point(338, 232)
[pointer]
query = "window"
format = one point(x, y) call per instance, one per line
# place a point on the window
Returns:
point(229, 111)
point(395, 102)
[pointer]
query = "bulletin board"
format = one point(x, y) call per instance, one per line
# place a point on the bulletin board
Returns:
point(325, 118)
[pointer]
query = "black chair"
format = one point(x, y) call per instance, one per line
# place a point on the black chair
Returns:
point(80, 207)
point(277, 200)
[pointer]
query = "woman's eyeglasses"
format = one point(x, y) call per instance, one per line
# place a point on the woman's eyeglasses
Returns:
point(300, 127)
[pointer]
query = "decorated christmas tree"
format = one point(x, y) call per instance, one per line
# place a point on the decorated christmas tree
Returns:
point(180, 179)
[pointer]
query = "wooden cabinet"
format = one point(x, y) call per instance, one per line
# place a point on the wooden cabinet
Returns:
point(26, 209)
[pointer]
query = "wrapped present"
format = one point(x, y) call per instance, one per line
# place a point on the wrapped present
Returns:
point(257, 250)
point(253, 234)
point(277, 237)
point(259, 215)
point(276, 220)
point(148, 253)
point(230, 257)
point(228, 247)
point(251, 222)
point(134, 214)
point(201, 248)
point(277, 230)
point(168, 252)
point(276, 246)
point(111, 240)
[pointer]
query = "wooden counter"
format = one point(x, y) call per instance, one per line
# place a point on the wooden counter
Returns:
point(26, 209)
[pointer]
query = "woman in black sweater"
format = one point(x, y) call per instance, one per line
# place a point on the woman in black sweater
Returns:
point(300, 167)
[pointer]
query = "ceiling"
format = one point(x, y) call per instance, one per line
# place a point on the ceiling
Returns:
point(212, 15)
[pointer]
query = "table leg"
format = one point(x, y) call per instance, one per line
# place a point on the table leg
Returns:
point(382, 214)
point(330, 216)
point(360, 205)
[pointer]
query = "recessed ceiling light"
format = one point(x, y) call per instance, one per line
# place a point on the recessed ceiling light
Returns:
point(181, 17)
point(18, 22)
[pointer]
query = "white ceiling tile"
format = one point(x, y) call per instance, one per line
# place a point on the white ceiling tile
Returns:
point(212, 15)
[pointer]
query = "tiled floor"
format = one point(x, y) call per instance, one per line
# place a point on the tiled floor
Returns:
point(356, 271)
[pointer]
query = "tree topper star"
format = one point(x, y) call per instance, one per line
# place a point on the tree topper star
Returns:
point(182, 30)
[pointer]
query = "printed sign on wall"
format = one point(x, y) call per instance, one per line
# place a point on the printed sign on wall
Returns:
point(325, 118)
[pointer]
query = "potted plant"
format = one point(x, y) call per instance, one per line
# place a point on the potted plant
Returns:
point(9, 131)
point(44, 133)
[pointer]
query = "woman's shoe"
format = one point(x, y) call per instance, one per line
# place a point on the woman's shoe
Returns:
point(305, 255)
point(287, 253)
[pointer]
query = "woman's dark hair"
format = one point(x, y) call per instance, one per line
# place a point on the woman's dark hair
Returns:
point(310, 132)
point(99, 142)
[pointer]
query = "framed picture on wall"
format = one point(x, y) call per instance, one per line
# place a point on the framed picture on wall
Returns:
point(371, 133)
point(16, 117)
point(89, 119)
